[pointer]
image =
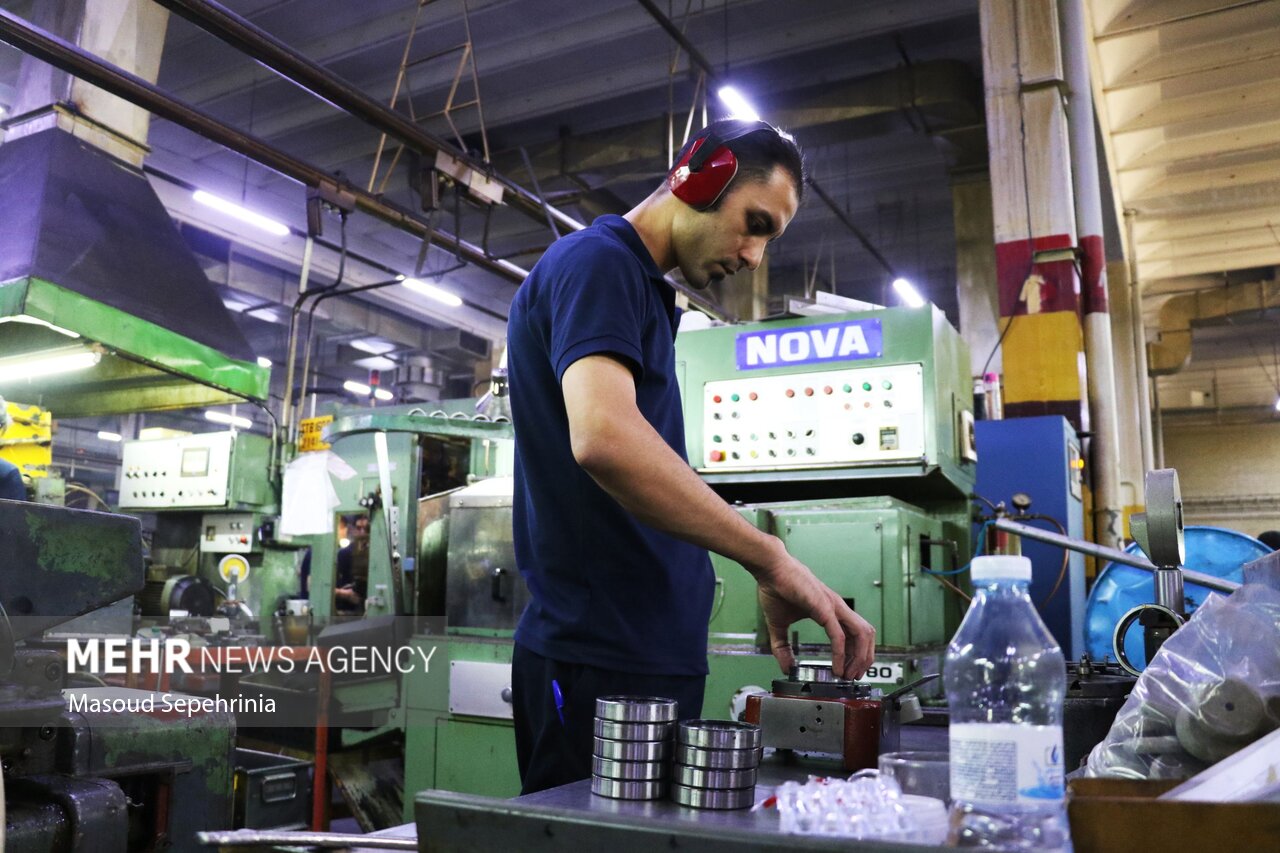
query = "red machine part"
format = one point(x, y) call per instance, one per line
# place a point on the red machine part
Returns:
point(861, 735)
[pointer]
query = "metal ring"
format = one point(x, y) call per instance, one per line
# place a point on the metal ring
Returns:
point(718, 759)
point(613, 730)
point(637, 709)
point(1123, 626)
point(719, 734)
point(712, 798)
point(632, 750)
point(612, 769)
point(698, 777)
point(623, 789)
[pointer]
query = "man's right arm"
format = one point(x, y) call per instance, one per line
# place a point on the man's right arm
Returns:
point(628, 459)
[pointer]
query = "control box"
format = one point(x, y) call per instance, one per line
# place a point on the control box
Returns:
point(209, 470)
point(829, 418)
point(868, 402)
point(228, 533)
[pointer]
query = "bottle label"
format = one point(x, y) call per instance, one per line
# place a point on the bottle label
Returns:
point(1006, 763)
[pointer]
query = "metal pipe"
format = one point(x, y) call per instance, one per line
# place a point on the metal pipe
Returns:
point(1139, 334)
point(72, 59)
point(848, 223)
point(1157, 423)
point(266, 49)
point(261, 46)
point(1102, 552)
point(1108, 508)
point(284, 838)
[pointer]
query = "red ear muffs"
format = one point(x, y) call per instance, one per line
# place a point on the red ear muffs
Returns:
point(701, 177)
point(702, 188)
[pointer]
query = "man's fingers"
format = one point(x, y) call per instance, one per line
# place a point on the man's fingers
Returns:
point(784, 655)
point(835, 632)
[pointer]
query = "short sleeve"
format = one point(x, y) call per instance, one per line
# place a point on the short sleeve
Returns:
point(597, 306)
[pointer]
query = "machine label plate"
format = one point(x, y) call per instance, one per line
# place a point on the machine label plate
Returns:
point(825, 342)
point(883, 673)
point(480, 689)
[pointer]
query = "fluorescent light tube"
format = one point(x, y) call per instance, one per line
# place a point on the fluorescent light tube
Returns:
point(243, 214)
point(229, 420)
point(431, 291)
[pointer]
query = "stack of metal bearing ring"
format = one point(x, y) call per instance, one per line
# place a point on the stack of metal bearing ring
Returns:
point(632, 752)
point(716, 763)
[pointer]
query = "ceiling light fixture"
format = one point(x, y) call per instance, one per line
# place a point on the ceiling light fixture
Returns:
point(36, 321)
point(357, 387)
point(739, 107)
point(439, 294)
point(383, 394)
point(263, 361)
point(373, 346)
point(47, 363)
point(229, 420)
point(907, 293)
point(243, 214)
point(109, 436)
point(1278, 404)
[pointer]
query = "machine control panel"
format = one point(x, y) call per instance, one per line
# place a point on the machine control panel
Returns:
point(867, 415)
point(227, 533)
point(191, 471)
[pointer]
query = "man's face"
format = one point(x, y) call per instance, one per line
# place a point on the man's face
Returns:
point(715, 244)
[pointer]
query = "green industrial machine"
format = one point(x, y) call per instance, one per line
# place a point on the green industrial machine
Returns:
point(872, 461)
point(850, 437)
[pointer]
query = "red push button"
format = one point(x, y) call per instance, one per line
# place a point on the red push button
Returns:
point(808, 392)
point(753, 396)
point(790, 393)
point(826, 390)
point(715, 399)
point(717, 456)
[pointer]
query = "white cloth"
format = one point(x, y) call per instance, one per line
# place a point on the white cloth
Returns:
point(309, 497)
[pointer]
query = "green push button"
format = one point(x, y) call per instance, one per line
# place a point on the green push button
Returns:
point(716, 439)
point(887, 385)
point(866, 386)
point(735, 398)
point(848, 388)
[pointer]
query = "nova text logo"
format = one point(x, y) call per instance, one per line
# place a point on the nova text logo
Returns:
point(848, 341)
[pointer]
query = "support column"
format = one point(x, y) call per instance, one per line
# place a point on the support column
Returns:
point(976, 270)
point(1034, 211)
point(1104, 448)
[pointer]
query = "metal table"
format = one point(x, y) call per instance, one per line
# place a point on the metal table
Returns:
point(572, 818)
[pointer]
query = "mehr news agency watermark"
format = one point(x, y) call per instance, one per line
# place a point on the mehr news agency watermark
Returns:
point(136, 656)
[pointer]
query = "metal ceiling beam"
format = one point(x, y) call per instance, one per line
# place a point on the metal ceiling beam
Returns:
point(279, 57)
point(69, 58)
point(264, 48)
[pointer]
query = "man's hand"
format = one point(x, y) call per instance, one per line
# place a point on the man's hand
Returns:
point(789, 592)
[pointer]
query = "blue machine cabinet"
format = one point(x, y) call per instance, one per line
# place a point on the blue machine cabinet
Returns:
point(1040, 457)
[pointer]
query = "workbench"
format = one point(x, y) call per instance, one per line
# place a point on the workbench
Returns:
point(571, 818)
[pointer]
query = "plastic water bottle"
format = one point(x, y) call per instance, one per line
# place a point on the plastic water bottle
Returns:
point(1005, 679)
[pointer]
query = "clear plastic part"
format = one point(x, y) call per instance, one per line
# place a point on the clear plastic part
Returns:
point(866, 805)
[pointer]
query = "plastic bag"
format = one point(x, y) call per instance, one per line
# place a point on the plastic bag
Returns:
point(1213, 688)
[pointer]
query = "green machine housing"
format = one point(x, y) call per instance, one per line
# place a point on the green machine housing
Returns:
point(850, 437)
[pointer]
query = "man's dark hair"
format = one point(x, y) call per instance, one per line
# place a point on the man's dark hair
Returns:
point(1270, 538)
point(758, 153)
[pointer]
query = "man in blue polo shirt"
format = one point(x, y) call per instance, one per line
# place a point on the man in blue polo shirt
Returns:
point(612, 526)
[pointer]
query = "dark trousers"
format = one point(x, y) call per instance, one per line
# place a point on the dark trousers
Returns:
point(552, 752)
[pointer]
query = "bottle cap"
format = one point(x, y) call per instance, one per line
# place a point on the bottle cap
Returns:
point(1000, 568)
